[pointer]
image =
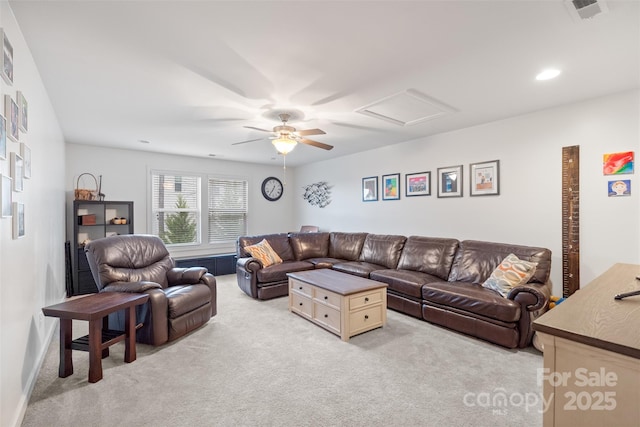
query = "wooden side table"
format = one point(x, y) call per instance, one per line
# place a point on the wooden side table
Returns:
point(95, 308)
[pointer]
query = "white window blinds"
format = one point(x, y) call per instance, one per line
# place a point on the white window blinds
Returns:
point(175, 203)
point(227, 209)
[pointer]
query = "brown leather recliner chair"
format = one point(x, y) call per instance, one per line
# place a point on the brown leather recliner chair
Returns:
point(180, 299)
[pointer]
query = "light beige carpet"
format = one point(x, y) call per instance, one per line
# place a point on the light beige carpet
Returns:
point(256, 364)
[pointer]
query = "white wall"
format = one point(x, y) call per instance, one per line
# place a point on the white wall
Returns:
point(528, 209)
point(31, 268)
point(125, 176)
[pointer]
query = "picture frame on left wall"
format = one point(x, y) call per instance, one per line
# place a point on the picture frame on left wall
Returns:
point(7, 59)
point(25, 152)
point(23, 112)
point(3, 138)
point(17, 172)
point(11, 113)
point(6, 196)
point(18, 220)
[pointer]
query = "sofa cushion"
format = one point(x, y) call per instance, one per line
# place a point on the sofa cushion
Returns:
point(430, 255)
point(472, 298)
point(405, 282)
point(382, 249)
point(278, 272)
point(475, 260)
point(264, 253)
point(357, 268)
point(511, 272)
point(346, 246)
point(309, 245)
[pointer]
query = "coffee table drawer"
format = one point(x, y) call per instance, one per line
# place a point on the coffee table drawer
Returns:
point(364, 320)
point(301, 304)
point(327, 317)
point(327, 297)
point(365, 299)
point(301, 287)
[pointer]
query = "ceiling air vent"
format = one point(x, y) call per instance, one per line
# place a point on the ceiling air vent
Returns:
point(586, 9)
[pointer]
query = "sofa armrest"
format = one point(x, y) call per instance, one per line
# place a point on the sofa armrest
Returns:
point(249, 264)
point(131, 287)
point(534, 300)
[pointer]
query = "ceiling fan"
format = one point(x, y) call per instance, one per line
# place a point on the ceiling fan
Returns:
point(286, 137)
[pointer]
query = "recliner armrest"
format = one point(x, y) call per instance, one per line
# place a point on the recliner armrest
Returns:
point(185, 276)
point(131, 287)
point(250, 264)
point(531, 296)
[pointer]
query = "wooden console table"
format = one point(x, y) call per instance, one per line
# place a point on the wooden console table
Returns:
point(591, 345)
point(95, 308)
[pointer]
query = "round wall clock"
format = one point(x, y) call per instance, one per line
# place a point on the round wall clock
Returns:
point(272, 188)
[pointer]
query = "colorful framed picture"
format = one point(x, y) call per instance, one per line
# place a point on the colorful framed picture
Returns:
point(7, 59)
point(17, 173)
point(450, 181)
point(617, 163)
point(23, 112)
point(485, 178)
point(417, 184)
point(3, 137)
point(11, 114)
point(370, 189)
point(391, 186)
point(18, 220)
point(621, 187)
point(25, 153)
point(6, 196)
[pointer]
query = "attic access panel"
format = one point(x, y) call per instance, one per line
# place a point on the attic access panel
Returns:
point(406, 108)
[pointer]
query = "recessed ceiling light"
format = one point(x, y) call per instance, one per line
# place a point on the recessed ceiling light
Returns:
point(144, 141)
point(212, 155)
point(548, 74)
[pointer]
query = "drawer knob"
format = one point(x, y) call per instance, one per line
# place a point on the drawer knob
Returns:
point(366, 316)
point(366, 299)
point(300, 303)
point(326, 297)
point(300, 287)
point(326, 315)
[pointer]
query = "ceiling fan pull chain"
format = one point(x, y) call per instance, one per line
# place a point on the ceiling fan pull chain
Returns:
point(284, 169)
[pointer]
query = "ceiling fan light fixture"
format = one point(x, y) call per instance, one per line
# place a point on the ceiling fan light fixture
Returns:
point(284, 144)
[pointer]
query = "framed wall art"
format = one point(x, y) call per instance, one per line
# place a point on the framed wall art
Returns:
point(23, 112)
point(485, 178)
point(450, 181)
point(11, 114)
point(3, 137)
point(617, 163)
point(391, 186)
point(7, 59)
point(17, 173)
point(417, 184)
point(621, 187)
point(25, 153)
point(370, 189)
point(18, 220)
point(6, 196)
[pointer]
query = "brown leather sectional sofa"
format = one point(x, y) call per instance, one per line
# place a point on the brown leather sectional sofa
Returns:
point(434, 279)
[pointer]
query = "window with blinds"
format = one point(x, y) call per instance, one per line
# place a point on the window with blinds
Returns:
point(175, 202)
point(227, 209)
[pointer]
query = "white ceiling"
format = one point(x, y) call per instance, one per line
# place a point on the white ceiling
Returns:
point(188, 75)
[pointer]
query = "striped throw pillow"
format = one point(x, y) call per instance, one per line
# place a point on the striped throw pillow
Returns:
point(511, 272)
point(264, 253)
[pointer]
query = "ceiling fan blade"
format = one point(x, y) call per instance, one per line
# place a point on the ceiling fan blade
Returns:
point(316, 144)
point(310, 132)
point(255, 128)
point(249, 140)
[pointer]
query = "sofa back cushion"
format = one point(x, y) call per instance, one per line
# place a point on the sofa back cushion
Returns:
point(431, 255)
point(346, 245)
point(279, 243)
point(382, 249)
point(475, 260)
point(309, 245)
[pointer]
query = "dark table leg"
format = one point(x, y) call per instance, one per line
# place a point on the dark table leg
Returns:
point(105, 326)
point(95, 352)
point(130, 334)
point(66, 363)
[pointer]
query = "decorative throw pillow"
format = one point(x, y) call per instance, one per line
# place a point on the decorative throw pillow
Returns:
point(264, 253)
point(511, 272)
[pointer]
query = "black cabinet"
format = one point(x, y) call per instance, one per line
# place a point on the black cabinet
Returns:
point(93, 220)
point(218, 265)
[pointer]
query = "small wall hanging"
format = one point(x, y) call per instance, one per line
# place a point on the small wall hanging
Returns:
point(317, 194)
